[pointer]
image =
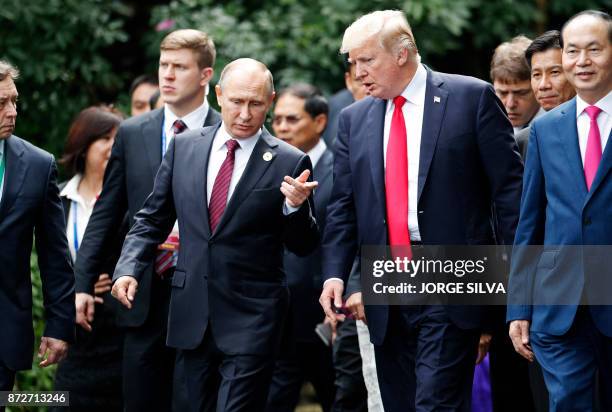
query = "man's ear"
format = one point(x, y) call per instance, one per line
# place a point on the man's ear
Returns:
point(206, 75)
point(219, 94)
point(320, 122)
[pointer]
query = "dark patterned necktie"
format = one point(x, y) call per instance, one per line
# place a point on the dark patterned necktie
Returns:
point(218, 197)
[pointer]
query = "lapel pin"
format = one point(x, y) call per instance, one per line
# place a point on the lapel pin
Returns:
point(267, 156)
point(436, 99)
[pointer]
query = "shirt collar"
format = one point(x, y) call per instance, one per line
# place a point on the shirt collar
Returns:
point(223, 136)
point(415, 90)
point(316, 152)
point(193, 120)
point(605, 104)
point(70, 191)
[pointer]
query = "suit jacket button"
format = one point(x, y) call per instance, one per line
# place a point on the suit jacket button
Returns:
point(587, 221)
point(384, 221)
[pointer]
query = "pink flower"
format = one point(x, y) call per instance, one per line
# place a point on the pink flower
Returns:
point(164, 25)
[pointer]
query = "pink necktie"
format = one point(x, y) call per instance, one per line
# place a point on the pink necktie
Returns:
point(218, 197)
point(592, 156)
point(396, 183)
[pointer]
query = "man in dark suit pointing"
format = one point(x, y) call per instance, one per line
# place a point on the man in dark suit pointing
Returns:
point(229, 296)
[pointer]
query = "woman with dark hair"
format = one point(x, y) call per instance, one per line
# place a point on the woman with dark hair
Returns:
point(92, 369)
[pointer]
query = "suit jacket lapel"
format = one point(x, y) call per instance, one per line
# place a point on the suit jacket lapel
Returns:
point(151, 138)
point(375, 126)
point(14, 173)
point(253, 171)
point(202, 153)
point(323, 169)
point(433, 115)
point(567, 135)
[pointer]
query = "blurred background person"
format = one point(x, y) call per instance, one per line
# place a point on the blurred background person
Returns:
point(141, 90)
point(92, 369)
point(511, 80)
point(548, 81)
point(156, 102)
point(300, 116)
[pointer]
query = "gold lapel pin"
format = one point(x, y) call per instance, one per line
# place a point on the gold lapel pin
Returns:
point(267, 156)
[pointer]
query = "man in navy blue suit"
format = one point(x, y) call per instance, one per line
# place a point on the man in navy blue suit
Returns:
point(420, 161)
point(567, 200)
point(30, 204)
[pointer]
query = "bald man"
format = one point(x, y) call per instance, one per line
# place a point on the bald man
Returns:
point(240, 196)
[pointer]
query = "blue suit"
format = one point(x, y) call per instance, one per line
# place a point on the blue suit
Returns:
point(557, 211)
point(468, 161)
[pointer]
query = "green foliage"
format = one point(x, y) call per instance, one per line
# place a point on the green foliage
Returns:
point(59, 48)
point(40, 379)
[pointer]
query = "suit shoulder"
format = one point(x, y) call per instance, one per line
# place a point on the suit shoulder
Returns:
point(462, 82)
point(34, 153)
point(286, 149)
point(135, 122)
point(551, 117)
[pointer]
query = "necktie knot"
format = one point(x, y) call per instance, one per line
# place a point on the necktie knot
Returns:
point(593, 112)
point(178, 127)
point(232, 145)
point(399, 101)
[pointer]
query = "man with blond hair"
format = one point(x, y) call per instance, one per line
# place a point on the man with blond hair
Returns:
point(511, 76)
point(186, 65)
point(419, 161)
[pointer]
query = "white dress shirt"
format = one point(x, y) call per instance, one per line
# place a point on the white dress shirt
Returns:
point(218, 153)
point(79, 214)
point(316, 152)
point(193, 120)
point(583, 122)
point(413, 117)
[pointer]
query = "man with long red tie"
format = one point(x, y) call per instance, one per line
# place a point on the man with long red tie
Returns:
point(419, 161)
point(567, 200)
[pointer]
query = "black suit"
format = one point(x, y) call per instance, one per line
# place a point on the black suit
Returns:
point(30, 205)
point(128, 180)
point(229, 295)
point(522, 139)
point(305, 357)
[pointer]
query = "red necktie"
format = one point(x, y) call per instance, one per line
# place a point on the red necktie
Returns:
point(592, 156)
point(396, 183)
point(218, 197)
point(167, 255)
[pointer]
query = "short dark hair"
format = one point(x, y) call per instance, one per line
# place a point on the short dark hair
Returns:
point(91, 124)
point(154, 98)
point(143, 79)
point(544, 42)
point(602, 15)
point(314, 101)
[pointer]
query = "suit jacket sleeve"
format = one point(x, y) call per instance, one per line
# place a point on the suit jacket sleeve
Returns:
point(502, 163)
point(109, 211)
point(530, 231)
point(301, 235)
point(54, 263)
point(152, 223)
point(340, 238)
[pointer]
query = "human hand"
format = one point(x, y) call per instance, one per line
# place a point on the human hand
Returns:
point(296, 191)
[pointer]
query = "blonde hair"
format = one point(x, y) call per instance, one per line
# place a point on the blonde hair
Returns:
point(509, 64)
point(390, 27)
point(196, 40)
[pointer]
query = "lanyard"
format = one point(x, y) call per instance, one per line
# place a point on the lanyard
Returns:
point(75, 231)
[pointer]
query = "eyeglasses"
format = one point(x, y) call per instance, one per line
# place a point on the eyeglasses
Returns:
point(291, 119)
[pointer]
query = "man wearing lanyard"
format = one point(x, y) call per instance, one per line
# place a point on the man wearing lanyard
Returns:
point(185, 68)
point(29, 202)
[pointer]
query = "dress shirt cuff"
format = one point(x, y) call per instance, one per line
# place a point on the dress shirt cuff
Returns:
point(287, 210)
point(338, 279)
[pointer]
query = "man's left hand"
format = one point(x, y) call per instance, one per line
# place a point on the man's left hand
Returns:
point(296, 191)
point(52, 351)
